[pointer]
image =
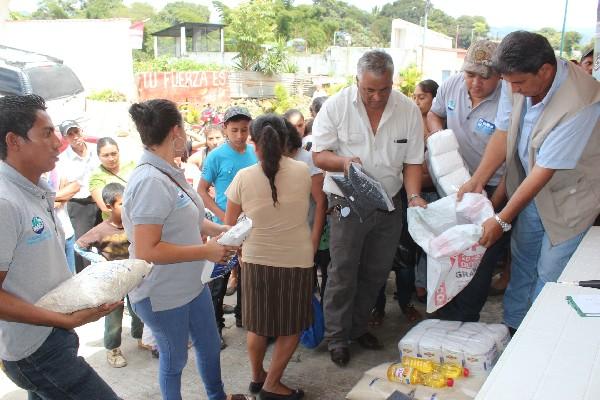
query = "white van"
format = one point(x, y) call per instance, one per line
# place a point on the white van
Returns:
point(25, 72)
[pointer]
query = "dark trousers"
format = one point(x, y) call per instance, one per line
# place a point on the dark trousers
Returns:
point(403, 265)
point(54, 371)
point(322, 260)
point(84, 215)
point(468, 303)
point(218, 288)
point(361, 259)
point(113, 327)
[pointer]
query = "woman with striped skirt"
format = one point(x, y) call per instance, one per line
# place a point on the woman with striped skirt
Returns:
point(277, 278)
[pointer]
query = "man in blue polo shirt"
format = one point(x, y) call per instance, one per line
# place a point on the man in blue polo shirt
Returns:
point(219, 169)
point(38, 348)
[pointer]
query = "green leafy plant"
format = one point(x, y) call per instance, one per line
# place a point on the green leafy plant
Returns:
point(107, 95)
point(409, 78)
point(164, 64)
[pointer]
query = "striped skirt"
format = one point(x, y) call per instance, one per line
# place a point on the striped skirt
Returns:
point(276, 301)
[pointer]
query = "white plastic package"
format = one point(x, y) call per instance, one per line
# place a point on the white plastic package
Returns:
point(471, 345)
point(233, 237)
point(100, 283)
point(446, 163)
point(442, 142)
point(452, 182)
point(449, 232)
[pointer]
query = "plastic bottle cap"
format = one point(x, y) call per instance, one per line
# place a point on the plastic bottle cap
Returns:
point(450, 382)
point(466, 372)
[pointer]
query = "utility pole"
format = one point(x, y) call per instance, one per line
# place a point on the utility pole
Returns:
point(562, 35)
point(427, 6)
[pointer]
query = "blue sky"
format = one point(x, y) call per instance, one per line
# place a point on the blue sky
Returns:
point(525, 14)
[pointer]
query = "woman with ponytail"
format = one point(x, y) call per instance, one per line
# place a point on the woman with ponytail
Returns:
point(164, 220)
point(277, 257)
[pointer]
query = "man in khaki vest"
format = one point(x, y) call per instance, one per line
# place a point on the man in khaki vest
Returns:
point(549, 135)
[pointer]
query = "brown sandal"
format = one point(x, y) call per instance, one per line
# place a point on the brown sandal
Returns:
point(411, 313)
point(240, 397)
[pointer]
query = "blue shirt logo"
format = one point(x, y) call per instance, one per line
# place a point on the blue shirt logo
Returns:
point(451, 105)
point(37, 225)
point(485, 127)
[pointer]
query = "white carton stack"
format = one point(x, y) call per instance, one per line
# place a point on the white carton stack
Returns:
point(445, 163)
point(473, 345)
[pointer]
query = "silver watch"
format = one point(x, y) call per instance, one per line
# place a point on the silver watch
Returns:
point(504, 225)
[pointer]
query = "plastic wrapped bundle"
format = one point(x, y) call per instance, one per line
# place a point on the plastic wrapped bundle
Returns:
point(101, 283)
point(442, 142)
point(233, 237)
point(445, 164)
point(452, 182)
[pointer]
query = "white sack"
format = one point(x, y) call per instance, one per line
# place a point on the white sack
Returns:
point(442, 142)
point(100, 283)
point(449, 231)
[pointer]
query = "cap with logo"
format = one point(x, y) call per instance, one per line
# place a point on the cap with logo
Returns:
point(236, 111)
point(66, 125)
point(479, 58)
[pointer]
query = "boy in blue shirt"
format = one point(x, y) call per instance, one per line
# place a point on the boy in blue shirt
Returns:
point(218, 170)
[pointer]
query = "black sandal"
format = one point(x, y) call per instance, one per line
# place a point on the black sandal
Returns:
point(296, 394)
point(255, 387)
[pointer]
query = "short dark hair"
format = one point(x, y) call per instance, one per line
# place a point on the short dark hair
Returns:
point(291, 112)
point(17, 115)
point(105, 141)
point(112, 192)
point(429, 86)
point(316, 104)
point(523, 52)
point(154, 119)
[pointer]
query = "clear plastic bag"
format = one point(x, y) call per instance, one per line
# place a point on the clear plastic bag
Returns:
point(100, 283)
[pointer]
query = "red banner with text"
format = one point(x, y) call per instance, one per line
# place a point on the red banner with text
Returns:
point(199, 87)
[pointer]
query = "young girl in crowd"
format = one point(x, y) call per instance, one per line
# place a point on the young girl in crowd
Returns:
point(164, 219)
point(277, 257)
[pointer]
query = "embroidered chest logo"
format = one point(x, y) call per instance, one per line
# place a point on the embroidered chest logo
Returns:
point(451, 105)
point(37, 225)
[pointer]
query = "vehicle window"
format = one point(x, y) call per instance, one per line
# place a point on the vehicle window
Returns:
point(53, 81)
point(10, 82)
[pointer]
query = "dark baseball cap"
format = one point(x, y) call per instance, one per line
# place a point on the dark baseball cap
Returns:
point(236, 111)
point(66, 125)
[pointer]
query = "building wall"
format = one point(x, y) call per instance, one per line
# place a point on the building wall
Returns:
point(99, 51)
point(406, 35)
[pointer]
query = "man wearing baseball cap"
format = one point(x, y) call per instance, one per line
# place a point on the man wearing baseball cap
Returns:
point(218, 170)
point(76, 164)
point(467, 103)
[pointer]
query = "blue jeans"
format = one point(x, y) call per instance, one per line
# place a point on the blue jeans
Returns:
point(55, 372)
point(70, 253)
point(172, 329)
point(535, 261)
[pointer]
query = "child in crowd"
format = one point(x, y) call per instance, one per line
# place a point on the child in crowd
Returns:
point(214, 138)
point(106, 242)
point(219, 169)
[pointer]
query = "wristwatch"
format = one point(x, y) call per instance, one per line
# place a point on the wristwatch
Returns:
point(504, 225)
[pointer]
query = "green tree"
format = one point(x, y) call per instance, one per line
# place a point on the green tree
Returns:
point(138, 11)
point(571, 42)
point(56, 9)
point(98, 9)
point(250, 26)
point(409, 78)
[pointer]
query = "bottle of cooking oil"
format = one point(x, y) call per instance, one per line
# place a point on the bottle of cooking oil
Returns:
point(412, 376)
point(420, 364)
point(451, 370)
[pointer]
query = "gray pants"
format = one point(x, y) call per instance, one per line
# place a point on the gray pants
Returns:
point(361, 260)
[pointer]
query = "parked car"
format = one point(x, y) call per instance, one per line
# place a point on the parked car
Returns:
point(26, 72)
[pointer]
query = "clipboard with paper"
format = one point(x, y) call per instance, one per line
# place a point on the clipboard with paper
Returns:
point(364, 194)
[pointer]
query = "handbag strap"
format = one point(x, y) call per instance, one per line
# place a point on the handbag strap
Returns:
point(112, 173)
point(185, 190)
